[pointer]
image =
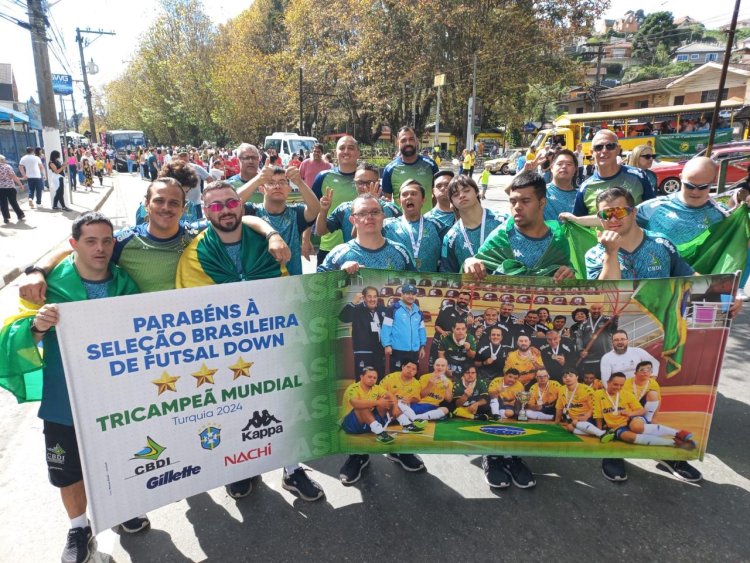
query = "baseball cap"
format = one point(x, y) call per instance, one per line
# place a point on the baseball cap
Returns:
point(408, 288)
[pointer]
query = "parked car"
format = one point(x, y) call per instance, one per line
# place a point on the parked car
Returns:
point(505, 163)
point(668, 173)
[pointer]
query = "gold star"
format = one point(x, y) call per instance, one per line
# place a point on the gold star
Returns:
point(241, 367)
point(166, 382)
point(204, 375)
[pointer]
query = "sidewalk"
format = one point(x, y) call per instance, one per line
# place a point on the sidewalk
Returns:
point(24, 242)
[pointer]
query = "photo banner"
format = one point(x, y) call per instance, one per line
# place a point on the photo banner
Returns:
point(175, 393)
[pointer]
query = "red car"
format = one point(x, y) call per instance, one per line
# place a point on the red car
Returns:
point(668, 173)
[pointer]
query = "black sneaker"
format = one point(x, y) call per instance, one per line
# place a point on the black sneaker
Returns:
point(494, 474)
point(681, 469)
point(79, 545)
point(135, 525)
point(240, 489)
point(351, 471)
point(614, 469)
point(298, 482)
point(483, 417)
point(519, 472)
point(409, 462)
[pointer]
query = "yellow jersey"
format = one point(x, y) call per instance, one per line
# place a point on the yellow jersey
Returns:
point(578, 402)
point(548, 396)
point(355, 391)
point(610, 408)
point(506, 393)
point(404, 390)
point(438, 393)
point(526, 365)
point(639, 391)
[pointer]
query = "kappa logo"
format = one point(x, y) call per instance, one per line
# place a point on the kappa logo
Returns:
point(263, 424)
point(56, 454)
point(210, 437)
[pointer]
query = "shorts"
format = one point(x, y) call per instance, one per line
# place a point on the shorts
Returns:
point(421, 408)
point(63, 461)
point(620, 430)
point(351, 424)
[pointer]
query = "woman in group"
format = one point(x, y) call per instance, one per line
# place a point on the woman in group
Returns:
point(642, 158)
point(8, 183)
point(57, 180)
point(72, 168)
point(88, 174)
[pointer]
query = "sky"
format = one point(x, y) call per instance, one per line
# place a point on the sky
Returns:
point(129, 19)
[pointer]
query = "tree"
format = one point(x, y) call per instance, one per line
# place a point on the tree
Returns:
point(657, 29)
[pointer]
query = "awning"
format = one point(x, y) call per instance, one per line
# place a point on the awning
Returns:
point(6, 114)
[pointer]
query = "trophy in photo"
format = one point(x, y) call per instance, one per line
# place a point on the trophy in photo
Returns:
point(523, 398)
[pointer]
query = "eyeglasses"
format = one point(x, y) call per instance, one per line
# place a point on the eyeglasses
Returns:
point(608, 146)
point(217, 206)
point(281, 184)
point(614, 213)
point(365, 183)
point(691, 186)
point(371, 214)
point(648, 156)
point(248, 158)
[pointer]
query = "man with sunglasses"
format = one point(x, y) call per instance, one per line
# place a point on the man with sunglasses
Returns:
point(608, 174)
point(226, 252)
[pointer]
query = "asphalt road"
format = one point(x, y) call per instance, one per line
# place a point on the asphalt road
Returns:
point(445, 513)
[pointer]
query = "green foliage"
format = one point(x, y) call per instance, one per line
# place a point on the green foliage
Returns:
point(650, 72)
point(657, 29)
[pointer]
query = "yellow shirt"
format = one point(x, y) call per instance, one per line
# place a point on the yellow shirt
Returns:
point(523, 364)
point(402, 389)
point(507, 394)
point(639, 391)
point(610, 408)
point(549, 395)
point(438, 393)
point(355, 391)
point(581, 400)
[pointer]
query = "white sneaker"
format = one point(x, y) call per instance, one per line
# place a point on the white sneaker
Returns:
point(741, 295)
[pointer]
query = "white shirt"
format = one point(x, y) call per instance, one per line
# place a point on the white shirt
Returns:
point(32, 164)
point(612, 362)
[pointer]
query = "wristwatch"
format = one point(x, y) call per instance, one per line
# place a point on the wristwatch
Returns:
point(31, 269)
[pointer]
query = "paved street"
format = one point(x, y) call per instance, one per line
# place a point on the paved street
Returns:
point(446, 513)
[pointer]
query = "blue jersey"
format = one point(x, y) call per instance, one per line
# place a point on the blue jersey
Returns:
point(628, 177)
point(456, 249)
point(397, 172)
point(670, 216)
point(558, 201)
point(446, 219)
point(528, 250)
point(290, 224)
point(655, 257)
point(390, 256)
point(338, 219)
point(429, 245)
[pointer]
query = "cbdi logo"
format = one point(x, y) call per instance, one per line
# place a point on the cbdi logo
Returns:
point(210, 437)
point(152, 452)
point(261, 421)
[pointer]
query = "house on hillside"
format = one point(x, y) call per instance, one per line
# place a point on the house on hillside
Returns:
point(699, 53)
point(626, 24)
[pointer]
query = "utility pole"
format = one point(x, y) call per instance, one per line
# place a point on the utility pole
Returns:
point(301, 114)
point(87, 93)
point(38, 23)
point(597, 82)
point(472, 101)
point(439, 81)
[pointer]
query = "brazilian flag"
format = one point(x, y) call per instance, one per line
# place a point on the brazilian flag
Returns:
point(206, 260)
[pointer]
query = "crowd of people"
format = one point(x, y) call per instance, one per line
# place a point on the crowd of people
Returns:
point(262, 220)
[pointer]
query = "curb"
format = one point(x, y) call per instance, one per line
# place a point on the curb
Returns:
point(17, 271)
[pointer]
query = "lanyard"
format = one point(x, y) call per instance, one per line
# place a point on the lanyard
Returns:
point(415, 244)
point(594, 324)
point(494, 353)
point(572, 396)
point(616, 403)
point(540, 401)
point(467, 242)
point(635, 390)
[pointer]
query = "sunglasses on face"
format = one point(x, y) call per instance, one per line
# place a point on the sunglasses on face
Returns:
point(217, 206)
point(648, 156)
point(614, 213)
point(608, 146)
point(692, 186)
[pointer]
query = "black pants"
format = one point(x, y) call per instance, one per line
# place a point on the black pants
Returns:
point(59, 194)
point(8, 195)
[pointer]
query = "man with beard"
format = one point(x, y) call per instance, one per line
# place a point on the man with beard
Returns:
point(366, 316)
point(594, 338)
point(442, 211)
point(226, 252)
point(491, 355)
point(409, 165)
point(623, 358)
point(525, 359)
point(459, 348)
point(418, 234)
point(531, 326)
point(558, 356)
